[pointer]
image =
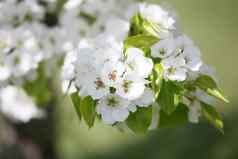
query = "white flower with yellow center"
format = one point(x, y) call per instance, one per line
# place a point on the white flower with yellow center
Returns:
point(163, 48)
point(137, 63)
point(179, 56)
point(174, 68)
point(162, 19)
point(113, 109)
point(88, 78)
point(190, 52)
point(138, 67)
point(131, 87)
point(112, 73)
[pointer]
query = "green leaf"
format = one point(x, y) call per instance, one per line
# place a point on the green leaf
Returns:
point(88, 110)
point(178, 117)
point(141, 41)
point(209, 85)
point(139, 121)
point(136, 23)
point(218, 94)
point(210, 113)
point(39, 88)
point(76, 102)
point(150, 28)
point(169, 96)
point(139, 25)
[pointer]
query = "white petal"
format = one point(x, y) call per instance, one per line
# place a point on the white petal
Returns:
point(120, 114)
point(112, 73)
point(192, 58)
point(163, 48)
point(134, 91)
point(141, 65)
point(178, 75)
point(17, 105)
point(146, 99)
point(194, 112)
point(118, 28)
point(5, 73)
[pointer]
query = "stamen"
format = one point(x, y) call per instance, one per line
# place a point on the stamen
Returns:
point(99, 83)
point(113, 75)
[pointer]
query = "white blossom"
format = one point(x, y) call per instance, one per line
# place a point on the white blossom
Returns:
point(163, 49)
point(17, 105)
point(159, 16)
point(179, 56)
point(191, 53)
point(174, 68)
point(146, 99)
point(113, 109)
point(137, 63)
point(131, 87)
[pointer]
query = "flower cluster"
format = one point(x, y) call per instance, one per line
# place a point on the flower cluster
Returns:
point(35, 36)
point(141, 70)
point(123, 63)
point(115, 78)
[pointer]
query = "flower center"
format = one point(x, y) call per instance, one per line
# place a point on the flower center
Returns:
point(126, 85)
point(179, 51)
point(162, 51)
point(111, 101)
point(171, 70)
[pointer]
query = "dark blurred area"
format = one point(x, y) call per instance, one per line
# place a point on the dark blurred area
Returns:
point(212, 24)
point(191, 141)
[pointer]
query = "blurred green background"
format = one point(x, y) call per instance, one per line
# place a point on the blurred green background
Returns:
point(213, 25)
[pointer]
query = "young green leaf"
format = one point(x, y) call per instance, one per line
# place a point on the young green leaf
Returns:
point(210, 113)
point(139, 121)
point(76, 102)
point(139, 25)
point(178, 117)
point(169, 96)
point(209, 85)
point(88, 110)
point(150, 28)
point(136, 23)
point(141, 41)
